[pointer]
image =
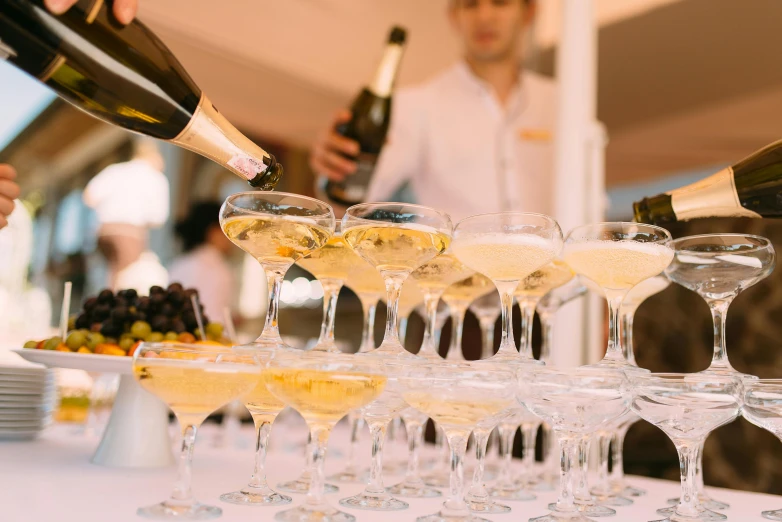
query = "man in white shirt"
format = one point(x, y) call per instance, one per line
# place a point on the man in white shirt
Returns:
point(129, 198)
point(477, 137)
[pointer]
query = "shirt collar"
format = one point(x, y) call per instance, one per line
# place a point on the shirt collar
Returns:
point(518, 98)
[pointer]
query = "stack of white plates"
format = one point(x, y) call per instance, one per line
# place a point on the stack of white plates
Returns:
point(27, 398)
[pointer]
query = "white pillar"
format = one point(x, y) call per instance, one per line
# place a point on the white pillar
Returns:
point(578, 168)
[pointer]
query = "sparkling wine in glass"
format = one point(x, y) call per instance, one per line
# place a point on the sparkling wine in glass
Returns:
point(194, 381)
point(458, 297)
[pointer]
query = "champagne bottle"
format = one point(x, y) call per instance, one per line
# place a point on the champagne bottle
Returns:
point(371, 115)
point(750, 188)
point(126, 76)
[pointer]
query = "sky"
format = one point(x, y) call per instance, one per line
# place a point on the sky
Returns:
point(23, 98)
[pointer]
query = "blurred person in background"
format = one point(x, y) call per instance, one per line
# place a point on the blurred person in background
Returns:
point(477, 137)
point(129, 199)
point(124, 11)
point(204, 264)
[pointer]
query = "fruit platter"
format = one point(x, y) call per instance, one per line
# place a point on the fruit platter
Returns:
point(102, 338)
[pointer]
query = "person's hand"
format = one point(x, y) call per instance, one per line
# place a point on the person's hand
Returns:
point(9, 191)
point(328, 154)
point(124, 10)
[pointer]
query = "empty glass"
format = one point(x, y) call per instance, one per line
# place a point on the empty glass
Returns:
point(575, 402)
point(762, 406)
point(687, 407)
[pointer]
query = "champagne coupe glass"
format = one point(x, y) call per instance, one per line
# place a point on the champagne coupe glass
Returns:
point(718, 267)
point(331, 265)
point(277, 229)
point(264, 408)
point(396, 239)
point(575, 402)
point(323, 387)
point(413, 486)
point(762, 406)
point(507, 247)
point(529, 292)
point(458, 297)
point(458, 396)
point(487, 309)
point(547, 308)
point(378, 414)
point(433, 278)
point(687, 407)
point(478, 497)
point(194, 381)
point(367, 284)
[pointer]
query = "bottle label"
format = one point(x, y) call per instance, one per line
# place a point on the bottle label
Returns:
point(248, 166)
point(714, 196)
point(6, 51)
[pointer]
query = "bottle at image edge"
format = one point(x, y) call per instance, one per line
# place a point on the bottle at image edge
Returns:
point(750, 188)
point(371, 112)
point(126, 76)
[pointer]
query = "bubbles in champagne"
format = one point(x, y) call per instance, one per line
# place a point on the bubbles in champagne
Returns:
point(397, 248)
point(440, 272)
point(504, 257)
point(464, 292)
point(540, 282)
point(334, 261)
point(617, 265)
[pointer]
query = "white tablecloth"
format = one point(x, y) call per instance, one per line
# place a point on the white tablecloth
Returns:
point(51, 479)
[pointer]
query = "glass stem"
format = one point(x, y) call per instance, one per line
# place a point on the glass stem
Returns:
point(182, 494)
point(394, 283)
point(507, 344)
point(603, 454)
point(550, 452)
point(377, 429)
point(617, 455)
point(719, 314)
point(403, 329)
point(487, 336)
point(368, 307)
point(529, 433)
point(614, 351)
point(688, 458)
point(582, 494)
point(331, 288)
point(415, 437)
point(263, 428)
point(626, 315)
point(429, 345)
point(271, 330)
point(319, 437)
point(457, 327)
point(569, 448)
point(455, 506)
point(699, 486)
point(547, 327)
point(477, 488)
point(527, 307)
point(507, 431)
point(356, 423)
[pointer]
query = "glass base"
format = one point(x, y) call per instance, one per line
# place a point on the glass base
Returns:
point(444, 517)
point(349, 476)
point(773, 515)
point(612, 500)
point(629, 491)
point(705, 501)
point(397, 467)
point(536, 483)
point(308, 513)
point(256, 497)
point(167, 511)
point(374, 503)
point(704, 515)
point(487, 506)
point(438, 480)
point(413, 490)
point(518, 494)
point(590, 510)
point(556, 516)
point(302, 485)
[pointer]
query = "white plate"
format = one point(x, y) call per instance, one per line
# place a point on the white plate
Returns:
point(32, 387)
point(21, 378)
point(22, 371)
point(79, 361)
point(22, 434)
point(24, 425)
point(30, 415)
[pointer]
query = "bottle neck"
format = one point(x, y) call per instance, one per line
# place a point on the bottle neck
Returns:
point(384, 78)
point(210, 134)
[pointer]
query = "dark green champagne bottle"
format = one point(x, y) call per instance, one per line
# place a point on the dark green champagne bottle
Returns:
point(371, 112)
point(126, 76)
point(750, 188)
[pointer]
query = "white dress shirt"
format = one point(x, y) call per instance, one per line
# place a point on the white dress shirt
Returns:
point(464, 152)
point(205, 269)
point(133, 193)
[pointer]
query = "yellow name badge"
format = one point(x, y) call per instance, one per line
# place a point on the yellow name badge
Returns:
point(534, 134)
